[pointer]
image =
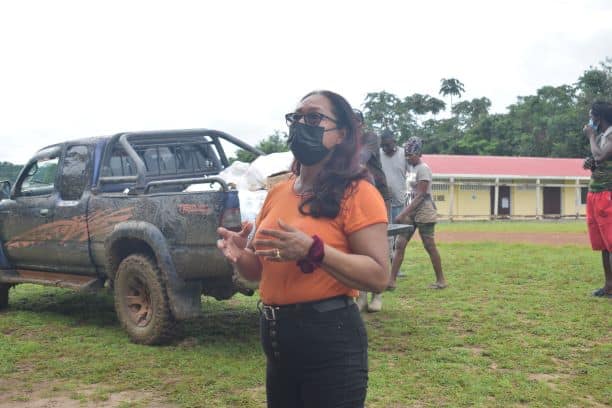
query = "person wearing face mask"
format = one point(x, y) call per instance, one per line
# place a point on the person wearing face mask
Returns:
point(421, 212)
point(599, 197)
point(320, 237)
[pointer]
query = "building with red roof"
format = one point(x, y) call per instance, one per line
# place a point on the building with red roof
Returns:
point(513, 187)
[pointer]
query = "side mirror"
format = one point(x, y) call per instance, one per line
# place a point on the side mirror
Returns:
point(5, 189)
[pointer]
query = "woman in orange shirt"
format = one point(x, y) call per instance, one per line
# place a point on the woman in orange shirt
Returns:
point(320, 238)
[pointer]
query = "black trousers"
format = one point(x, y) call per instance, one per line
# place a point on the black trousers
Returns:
point(315, 359)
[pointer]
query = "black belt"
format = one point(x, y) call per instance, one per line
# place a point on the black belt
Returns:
point(273, 312)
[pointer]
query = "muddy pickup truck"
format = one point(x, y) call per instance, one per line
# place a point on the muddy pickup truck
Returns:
point(112, 211)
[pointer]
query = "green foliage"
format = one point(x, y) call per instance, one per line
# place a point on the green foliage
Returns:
point(451, 86)
point(383, 110)
point(9, 171)
point(595, 83)
point(46, 173)
point(547, 124)
point(274, 143)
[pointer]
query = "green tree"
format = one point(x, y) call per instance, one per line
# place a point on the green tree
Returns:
point(383, 110)
point(595, 84)
point(451, 86)
point(435, 105)
point(417, 103)
point(9, 171)
point(277, 142)
point(470, 112)
point(424, 104)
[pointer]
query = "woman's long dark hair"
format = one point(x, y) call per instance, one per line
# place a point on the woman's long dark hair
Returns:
point(341, 170)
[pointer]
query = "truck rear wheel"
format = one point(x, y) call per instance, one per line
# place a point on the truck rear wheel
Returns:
point(4, 294)
point(141, 301)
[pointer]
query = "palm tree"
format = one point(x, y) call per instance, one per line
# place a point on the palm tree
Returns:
point(416, 103)
point(451, 87)
point(480, 107)
point(435, 105)
point(422, 104)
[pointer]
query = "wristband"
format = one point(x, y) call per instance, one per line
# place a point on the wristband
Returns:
point(314, 257)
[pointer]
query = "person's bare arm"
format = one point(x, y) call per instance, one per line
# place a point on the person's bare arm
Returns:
point(598, 153)
point(368, 267)
point(421, 193)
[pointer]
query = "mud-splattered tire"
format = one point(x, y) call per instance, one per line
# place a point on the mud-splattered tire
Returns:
point(141, 301)
point(4, 294)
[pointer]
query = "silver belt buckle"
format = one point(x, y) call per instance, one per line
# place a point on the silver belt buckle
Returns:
point(269, 312)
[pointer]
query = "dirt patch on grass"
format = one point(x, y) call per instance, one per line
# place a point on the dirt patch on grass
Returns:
point(52, 395)
point(550, 380)
point(542, 238)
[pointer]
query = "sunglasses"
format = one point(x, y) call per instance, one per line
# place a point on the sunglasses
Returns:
point(310, 118)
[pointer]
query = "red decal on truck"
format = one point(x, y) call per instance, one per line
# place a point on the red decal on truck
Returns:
point(72, 229)
point(194, 209)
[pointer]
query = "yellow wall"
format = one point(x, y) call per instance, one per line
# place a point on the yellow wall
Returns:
point(442, 199)
point(523, 201)
point(474, 202)
point(570, 202)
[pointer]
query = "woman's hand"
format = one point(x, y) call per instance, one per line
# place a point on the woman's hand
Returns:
point(287, 244)
point(232, 243)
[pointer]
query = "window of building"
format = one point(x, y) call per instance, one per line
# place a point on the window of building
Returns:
point(474, 187)
point(583, 195)
point(439, 187)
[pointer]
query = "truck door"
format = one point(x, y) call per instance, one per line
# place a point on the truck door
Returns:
point(27, 231)
point(70, 213)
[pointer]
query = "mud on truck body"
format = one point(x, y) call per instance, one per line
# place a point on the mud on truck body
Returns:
point(113, 211)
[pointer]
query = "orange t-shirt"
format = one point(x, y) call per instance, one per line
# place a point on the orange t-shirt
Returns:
point(283, 282)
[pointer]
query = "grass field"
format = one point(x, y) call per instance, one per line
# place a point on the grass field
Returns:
point(517, 327)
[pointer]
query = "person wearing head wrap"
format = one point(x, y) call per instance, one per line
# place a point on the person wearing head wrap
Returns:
point(421, 212)
point(413, 146)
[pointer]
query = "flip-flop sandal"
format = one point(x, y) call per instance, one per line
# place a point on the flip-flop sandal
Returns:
point(437, 286)
point(602, 293)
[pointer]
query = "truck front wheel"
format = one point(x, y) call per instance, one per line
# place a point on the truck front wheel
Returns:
point(4, 293)
point(141, 301)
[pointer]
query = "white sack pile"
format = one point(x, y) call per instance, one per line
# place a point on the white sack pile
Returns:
point(250, 180)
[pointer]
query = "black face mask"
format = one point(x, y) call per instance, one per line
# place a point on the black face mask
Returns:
point(306, 143)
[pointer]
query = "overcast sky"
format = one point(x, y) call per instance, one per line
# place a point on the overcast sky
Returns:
point(72, 69)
